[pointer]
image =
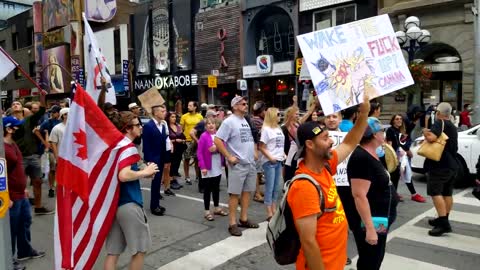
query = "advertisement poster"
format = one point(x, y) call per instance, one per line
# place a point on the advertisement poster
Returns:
point(349, 60)
point(141, 40)
point(161, 38)
point(74, 39)
point(182, 19)
point(55, 14)
point(54, 80)
point(100, 10)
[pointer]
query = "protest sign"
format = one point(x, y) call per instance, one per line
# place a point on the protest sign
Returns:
point(349, 60)
point(151, 98)
point(340, 178)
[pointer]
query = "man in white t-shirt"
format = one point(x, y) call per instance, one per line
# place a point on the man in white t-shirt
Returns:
point(56, 136)
point(241, 154)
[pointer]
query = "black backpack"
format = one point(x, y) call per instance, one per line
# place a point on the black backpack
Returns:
point(282, 236)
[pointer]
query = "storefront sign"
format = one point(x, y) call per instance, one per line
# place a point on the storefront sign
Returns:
point(167, 82)
point(242, 85)
point(125, 74)
point(81, 77)
point(56, 37)
point(264, 63)
point(75, 67)
point(212, 81)
point(280, 68)
point(314, 4)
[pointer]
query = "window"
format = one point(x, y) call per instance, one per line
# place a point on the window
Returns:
point(18, 75)
point(29, 36)
point(332, 17)
point(117, 51)
point(31, 69)
point(15, 41)
point(3, 44)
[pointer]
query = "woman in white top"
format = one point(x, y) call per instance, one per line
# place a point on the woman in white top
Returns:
point(210, 163)
point(272, 143)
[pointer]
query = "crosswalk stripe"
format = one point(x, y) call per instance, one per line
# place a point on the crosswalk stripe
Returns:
point(464, 217)
point(450, 240)
point(220, 252)
point(467, 200)
point(395, 262)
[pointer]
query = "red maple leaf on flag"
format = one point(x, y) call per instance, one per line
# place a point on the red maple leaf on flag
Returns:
point(81, 139)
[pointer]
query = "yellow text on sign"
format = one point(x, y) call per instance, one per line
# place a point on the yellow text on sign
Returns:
point(4, 198)
point(212, 81)
point(298, 66)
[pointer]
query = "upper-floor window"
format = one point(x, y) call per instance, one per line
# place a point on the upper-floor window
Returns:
point(15, 41)
point(332, 17)
point(29, 36)
point(211, 3)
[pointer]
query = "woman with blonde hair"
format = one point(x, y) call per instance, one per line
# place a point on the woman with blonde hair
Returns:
point(289, 128)
point(271, 145)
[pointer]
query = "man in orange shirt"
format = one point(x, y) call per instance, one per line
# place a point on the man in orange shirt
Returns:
point(324, 239)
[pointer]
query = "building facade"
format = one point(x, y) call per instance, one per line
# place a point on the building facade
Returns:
point(269, 50)
point(449, 54)
point(218, 50)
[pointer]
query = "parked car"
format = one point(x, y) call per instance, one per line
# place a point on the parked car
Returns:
point(467, 156)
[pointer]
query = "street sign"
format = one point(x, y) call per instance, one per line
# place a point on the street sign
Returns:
point(242, 85)
point(298, 66)
point(212, 81)
point(4, 198)
point(215, 72)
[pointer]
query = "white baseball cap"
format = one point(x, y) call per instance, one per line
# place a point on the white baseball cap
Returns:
point(133, 105)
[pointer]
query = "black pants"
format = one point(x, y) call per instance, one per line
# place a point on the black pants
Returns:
point(176, 159)
point(370, 257)
point(395, 177)
point(212, 186)
point(290, 171)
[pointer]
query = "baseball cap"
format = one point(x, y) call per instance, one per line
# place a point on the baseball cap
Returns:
point(133, 105)
point(55, 109)
point(258, 106)
point(307, 131)
point(236, 100)
point(10, 121)
point(64, 111)
point(374, 126)
point(211, 113)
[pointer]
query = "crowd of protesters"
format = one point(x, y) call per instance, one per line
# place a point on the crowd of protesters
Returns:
point(253, 151)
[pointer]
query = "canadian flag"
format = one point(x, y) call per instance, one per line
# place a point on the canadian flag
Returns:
point(7, 64)
point(91, 154)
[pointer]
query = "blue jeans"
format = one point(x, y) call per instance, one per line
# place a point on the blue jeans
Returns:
point(20, 221)
point(273, 172)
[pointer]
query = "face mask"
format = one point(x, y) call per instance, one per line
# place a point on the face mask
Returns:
point(380, 151)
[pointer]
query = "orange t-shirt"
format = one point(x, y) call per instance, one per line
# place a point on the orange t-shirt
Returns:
point(332, 227)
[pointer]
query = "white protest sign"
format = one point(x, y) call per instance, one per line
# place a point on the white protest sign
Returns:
point(349, 60)
point(341, 176)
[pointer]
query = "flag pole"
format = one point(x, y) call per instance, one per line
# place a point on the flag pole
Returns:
point(42, 91)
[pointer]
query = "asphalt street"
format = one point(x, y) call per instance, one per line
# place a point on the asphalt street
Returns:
point(183, 239)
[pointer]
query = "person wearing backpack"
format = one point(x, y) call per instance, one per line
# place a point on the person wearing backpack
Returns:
point(320, 220)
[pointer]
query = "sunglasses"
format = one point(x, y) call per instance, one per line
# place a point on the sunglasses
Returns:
point(242, 104)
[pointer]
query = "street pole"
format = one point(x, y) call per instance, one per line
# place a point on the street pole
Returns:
point(476, 81)
point(211, 90)
point(5, 241)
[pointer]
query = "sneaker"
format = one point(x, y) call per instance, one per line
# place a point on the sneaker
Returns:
point(188, 181)
point(35, 255)
point(51, 193)
point(43, 211)
point(418, 198)
point(442, 226)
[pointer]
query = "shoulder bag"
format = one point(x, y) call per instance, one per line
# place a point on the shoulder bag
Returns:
point(434, 150)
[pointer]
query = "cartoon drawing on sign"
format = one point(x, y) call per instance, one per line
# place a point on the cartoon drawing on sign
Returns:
point(347, 79)
point(349, 60)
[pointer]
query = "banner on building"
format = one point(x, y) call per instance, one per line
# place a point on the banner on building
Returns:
point(55, 14)
point(37, 17)
point(182, 20)
point(141, 24)
point(100, 10)
point(349, 60)
point(161, 38)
